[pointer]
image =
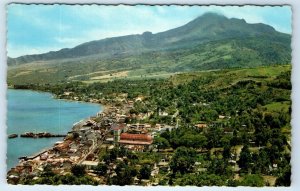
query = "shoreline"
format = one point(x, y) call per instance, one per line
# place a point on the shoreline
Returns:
point(102, 108)
point(55, 97)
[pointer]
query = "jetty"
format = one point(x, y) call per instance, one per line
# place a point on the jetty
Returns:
point(12, 136)
point(34, 155)
point(40, 135)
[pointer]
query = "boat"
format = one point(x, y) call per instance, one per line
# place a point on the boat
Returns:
point(12, 136)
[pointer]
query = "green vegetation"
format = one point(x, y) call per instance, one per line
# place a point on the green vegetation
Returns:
point(145, 172)
point(77, 177)
point(223, 83)
point(245, 116)
point(253, 180)
point(183, 160)
point(202, 44)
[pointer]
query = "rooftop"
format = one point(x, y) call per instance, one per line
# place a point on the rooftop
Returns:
point(136, 137)
point(116, 126)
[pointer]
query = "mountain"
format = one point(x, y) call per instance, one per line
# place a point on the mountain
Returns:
point(210, 41)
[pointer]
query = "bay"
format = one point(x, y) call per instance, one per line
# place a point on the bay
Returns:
point(31, 111)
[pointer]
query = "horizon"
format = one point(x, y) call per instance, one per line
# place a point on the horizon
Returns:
point(39, 37)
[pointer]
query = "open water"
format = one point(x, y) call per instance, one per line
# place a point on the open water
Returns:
point(40, 112)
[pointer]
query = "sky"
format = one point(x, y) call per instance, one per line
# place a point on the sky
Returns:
point(36, 29)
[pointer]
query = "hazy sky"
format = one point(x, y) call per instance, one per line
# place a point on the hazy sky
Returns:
point(34, 29)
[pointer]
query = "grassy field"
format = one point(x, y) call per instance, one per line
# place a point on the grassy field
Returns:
point(278, 106)
point(233, 75)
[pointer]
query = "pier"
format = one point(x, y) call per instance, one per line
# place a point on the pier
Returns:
point(40, 135)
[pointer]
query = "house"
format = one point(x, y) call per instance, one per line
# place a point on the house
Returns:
point(67, 93)
point(130, 104)
point(222, 116)
point(44, 156)
point(158, 127)
point(228, 130)
point(85, 129)
point(89, 164)
point(121, 118)
point(163, 165)
point(63, 147)
point(101, 114)
point(138, 148)
point(89, 124)
point(139, 99)
point(201, 126)
point(163, 113)
point(67, 164)
point(166, 128)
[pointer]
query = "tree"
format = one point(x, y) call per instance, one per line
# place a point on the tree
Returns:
point(100, 169)
point(262, 162)
point(253, 180)
point(111, 156)
point(272, 120)
point(245, 159)
point(225, 140)
point(235, 139)
point(78, 170)
point(193, 140)
point(125, 174)
point(47, 171)
point(285, 178)
point(226, 152)
point(183, 160)
point(202, 179)
point(220, 167)
point(145, 172)
point(161, 143)
point(214, 136)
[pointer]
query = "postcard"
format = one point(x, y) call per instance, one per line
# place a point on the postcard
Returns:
point(149, 95)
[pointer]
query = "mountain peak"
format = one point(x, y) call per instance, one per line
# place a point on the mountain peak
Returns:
point(210, 26)
point(209, 17)
point(147, 33)
point(212, 14)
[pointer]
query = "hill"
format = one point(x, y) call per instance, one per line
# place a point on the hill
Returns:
point(210, 41)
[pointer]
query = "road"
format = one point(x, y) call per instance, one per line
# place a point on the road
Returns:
point(94, 147)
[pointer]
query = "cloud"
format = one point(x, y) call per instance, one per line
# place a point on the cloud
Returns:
point(40, 28)
point(19, 50)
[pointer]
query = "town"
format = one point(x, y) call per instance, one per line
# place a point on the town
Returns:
point(90, 137)
point(142, 139)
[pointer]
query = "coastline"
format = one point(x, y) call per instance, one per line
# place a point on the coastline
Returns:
point(55, 96)
point(102, 108)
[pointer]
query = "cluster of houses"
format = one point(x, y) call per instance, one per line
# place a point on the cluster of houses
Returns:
point(81, 145)
point(77, 148)
point(106, 130)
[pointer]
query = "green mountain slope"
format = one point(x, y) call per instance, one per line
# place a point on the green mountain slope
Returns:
point(210, 41)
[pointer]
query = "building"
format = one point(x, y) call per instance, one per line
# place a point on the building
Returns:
point(201, 126)
point(144, 140)
point(90, 164)
point(118, 129)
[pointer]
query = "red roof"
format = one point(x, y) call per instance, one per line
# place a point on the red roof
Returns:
point(136, 137)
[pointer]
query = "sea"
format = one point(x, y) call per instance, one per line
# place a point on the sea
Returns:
point(32, 111)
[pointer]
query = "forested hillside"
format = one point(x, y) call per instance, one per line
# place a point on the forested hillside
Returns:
point(211, 41)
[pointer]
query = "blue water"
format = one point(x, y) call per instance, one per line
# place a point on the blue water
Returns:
point(39, 112)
